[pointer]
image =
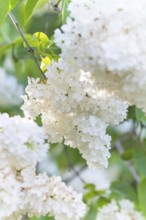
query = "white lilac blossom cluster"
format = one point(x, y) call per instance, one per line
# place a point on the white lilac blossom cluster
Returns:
point(75, 111)
point(107, 38)
point(124, 209)
point(22, 142)
point(37, 195)
point(102, 63)
point(10, 90)
point(102, 67)
point(22, 191)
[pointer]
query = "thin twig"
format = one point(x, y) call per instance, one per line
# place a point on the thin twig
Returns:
point(55, 6)
point(132, 170)
point(69, 179)
point(71, 166)
point(30, 49)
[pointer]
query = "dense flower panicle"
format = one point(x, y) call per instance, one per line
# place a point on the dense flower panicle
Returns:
point(45, 195)
point(22, 142)
point(73, 109)
point(10, 90)
point(22, 145)
point(78, 92)
point(26, 193)
point(88, 134)
point(72, 92)
point(107, 38)
point(9, 193)
point(123, 209)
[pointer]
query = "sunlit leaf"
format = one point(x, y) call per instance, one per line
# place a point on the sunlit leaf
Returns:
point(12, 4)
point(29, 9)
point(45, 62)
point(42, 38)
point(65, 12)
point(41, 3)
point(4, 8)
point(90, 187)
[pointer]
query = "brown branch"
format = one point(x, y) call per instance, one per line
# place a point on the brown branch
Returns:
point(74, 175)
point(30, 49)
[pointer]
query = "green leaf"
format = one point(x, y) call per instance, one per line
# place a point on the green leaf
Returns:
point(131, 113)
point(29, 9)
point(136, 114)
point(91, 192)
point(12, 4)
point(89, 195)
point(128, 154)
point(33, 42)
point(42, 38)
point(41, 3)
point(90, 186)
point(65, 12)
point(140, 161)
point(102, 201)
point(12, 44)
point(140, 116)
point(45, 62)
point(121, 190)
point(4, 8)
point(142, 196)
point(92, 212)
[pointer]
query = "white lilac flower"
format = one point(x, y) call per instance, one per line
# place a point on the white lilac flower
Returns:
point(69, 92)
point(22, 141)
point(10, 90)
point(73, 109)
point(10, 188)
point(45, 195)
point(107, 38)
point(87, 133)
point(123, 209)
point(25, 193)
